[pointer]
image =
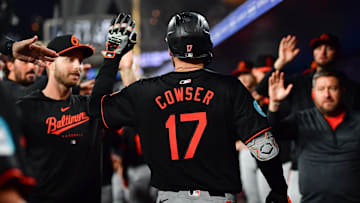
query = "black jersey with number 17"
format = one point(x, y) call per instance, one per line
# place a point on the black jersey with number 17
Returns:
point(188, 123)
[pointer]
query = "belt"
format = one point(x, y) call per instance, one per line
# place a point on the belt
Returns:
point(212, 193)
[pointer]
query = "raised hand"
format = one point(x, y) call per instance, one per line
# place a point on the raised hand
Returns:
point(27, 50)
point(121, 36)
point(277, 91)
point(287, 51)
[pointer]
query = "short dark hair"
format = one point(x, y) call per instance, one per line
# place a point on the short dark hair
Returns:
point(327, 73)
point(6, 69)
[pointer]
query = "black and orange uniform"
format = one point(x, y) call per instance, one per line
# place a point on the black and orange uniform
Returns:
point(188, 123)
point(129, 148)
point(329, 148)
point(63, 148)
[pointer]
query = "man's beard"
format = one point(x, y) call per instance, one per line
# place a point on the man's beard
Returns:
point(24, 81)
point(61, 78)
point(331, 112)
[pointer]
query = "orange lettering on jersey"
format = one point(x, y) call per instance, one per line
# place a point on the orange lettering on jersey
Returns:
point(197, 94)
point(209, 95)
point(179, 94)
point(65, 123)
point(72, 135)
point(169, 97)
point(188, 92)
point(176, 95)
point(51, 122)
point(161, 105)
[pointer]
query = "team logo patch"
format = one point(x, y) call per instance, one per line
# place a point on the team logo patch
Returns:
point(189, 47)
point(184, 82)
point(258, 108)
point(7, 146)
point(194, 193)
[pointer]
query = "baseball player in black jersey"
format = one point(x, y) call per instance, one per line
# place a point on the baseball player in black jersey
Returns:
point(188, 120)
point(63, 140)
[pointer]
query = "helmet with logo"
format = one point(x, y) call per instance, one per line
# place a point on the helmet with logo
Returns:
point(188, 36)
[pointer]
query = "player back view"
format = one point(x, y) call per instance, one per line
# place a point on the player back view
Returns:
point(188, 120)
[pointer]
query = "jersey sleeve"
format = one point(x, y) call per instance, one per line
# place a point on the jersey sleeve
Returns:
point(249, 120)
point(285, 127)
point(117, 110)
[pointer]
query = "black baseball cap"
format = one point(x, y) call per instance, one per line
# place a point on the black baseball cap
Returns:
point(243, 67)
point(264, 62)
point(325, 38)
point(65, 43)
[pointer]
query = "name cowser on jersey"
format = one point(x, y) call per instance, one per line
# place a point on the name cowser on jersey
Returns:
point(182, 94)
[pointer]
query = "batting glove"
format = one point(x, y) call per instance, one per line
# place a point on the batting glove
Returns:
point(274, 197)
point(121, 36)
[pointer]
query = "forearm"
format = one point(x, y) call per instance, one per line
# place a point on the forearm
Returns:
point(274, 106)
point(273, 172)
point(279, 64)
point(127, 76)
point(103, 84)
point(273, 118)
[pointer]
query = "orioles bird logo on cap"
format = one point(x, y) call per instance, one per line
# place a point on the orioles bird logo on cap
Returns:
point(74, 41)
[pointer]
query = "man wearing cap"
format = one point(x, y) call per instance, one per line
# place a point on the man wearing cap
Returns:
point(326, 51)
point(243, 73)
point(63, 140)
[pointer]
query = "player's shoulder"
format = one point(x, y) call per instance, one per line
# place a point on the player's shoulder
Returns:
point(221, 76)
point(36, 95)
point(31, 99)
point(145, 81)
point(206, 74)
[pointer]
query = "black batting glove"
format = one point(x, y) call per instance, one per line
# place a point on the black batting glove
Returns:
point(274, 197)
point(121, 36)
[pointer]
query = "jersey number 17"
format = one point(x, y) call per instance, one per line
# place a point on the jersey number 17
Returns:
point(171, 126)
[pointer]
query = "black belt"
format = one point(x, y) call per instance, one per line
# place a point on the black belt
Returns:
point(212, 193)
